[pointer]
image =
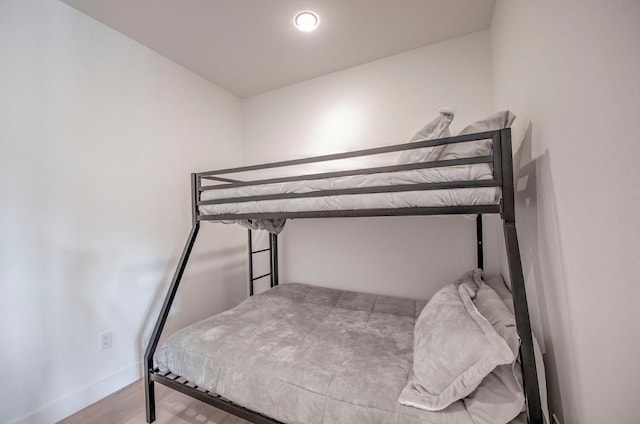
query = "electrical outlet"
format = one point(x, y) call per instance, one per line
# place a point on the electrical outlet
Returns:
point(555, 419)
point(106, 340)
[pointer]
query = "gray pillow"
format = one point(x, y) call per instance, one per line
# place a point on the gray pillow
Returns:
point(455, 348)
point(438, 128)
point(470, 149)
point(498, 284)
point(499, 398)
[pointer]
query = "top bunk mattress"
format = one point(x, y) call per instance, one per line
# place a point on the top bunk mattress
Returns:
point(310, 200)
point(305, 354)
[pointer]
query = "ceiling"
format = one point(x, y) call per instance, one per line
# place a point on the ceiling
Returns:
point(251, 46)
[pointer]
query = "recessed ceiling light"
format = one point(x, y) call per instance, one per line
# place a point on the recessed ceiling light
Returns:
point(306, 21)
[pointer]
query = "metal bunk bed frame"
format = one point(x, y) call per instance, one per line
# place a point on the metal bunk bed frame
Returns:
point(500, 158)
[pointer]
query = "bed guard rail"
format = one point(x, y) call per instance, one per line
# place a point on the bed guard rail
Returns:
point(227, 179)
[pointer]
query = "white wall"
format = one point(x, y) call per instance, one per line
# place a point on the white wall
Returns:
point(375, 104)
point(570, 69)
point(98, 136)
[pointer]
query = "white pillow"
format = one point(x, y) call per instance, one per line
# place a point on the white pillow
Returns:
point(499, 398)
point(438, 128)
point(455, 348)
point(470, 149)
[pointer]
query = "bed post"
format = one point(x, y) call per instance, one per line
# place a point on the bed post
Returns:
point(480, 254)
point(274, 259)
point(166, 306)
point(250, 244)
point(523, 323)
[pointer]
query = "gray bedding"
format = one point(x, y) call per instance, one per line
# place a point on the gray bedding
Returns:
point(305, 354)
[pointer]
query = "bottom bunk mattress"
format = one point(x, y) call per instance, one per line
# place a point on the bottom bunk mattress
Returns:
point(306, 354)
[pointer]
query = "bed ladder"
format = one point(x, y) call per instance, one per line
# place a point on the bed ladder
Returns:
point(273, 260)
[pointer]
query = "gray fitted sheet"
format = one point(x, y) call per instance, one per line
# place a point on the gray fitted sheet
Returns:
point(305, 354)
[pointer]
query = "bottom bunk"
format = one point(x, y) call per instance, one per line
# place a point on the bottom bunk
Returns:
point(307, 354)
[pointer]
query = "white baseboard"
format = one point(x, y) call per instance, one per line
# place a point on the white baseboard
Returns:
point(80, 399)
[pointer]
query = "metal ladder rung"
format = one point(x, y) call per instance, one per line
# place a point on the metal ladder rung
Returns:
point(261, 250)
point(262, 276)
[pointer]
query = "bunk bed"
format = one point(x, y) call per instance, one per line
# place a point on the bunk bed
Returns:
point(470, 184)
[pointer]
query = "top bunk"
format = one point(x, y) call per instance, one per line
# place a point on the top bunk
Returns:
point(466, 174)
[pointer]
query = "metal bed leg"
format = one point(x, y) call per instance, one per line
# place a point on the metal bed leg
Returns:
point(150, 396)
point(480, 253)
point(523, 325)
point(274, 260)
point(271, 275)
point(250, 244)
point(162, 319)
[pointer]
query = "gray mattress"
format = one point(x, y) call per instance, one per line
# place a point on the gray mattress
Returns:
point(305, 354)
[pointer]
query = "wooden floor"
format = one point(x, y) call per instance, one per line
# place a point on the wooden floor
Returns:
point(126, 406)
